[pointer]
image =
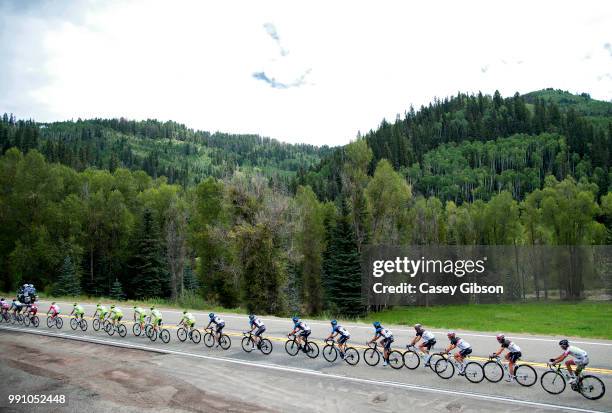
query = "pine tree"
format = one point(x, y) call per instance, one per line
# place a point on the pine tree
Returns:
point(68, 281)
point(116, 291)
point(342, 267)
point(147, 267)
point(190, 281)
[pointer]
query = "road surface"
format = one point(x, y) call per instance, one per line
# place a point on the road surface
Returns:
point(312, 385)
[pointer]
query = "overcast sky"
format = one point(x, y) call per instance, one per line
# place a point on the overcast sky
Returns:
point(313, 72)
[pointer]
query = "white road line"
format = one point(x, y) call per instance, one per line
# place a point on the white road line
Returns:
point(309, 372)
point(316, 323)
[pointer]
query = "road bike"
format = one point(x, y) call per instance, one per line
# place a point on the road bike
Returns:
point(119, 327)
point(193, 334)
point(372, 356)
point(292, 347)
point(31, 319)
point(6, 316)
point(445, 369)
point(55, 320)
point(78, 322)
point(153, 333)
point(248, 343)
point(413, 358)
point(494, 371)
point(554, 382)
point(17, 318)
point(211, 337)
point(98, 323)
point(331, 351)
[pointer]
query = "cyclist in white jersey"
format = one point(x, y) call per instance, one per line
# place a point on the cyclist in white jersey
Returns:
point(256, 324)
point(427, 341)
point(464, 350)
point(580, 359)
point(386, 337)
point(343, 336)
point(301, 331)
point(512, 356)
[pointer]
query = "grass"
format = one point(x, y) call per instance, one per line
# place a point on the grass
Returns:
point(579, 319)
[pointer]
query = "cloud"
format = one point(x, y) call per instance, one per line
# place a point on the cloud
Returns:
point(281, 85)
point(271, 30)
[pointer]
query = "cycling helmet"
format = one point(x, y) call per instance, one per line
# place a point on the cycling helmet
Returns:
point(211, 315)
point(251, 316)
point(135, 307)
point(500, 337)
point(564, 343)
point(74, 305)
point(53, 303)
point(296, 319)
point(2, 299)
point(450, 334)
point(418, 327)
point(98, 305)
point(184, 311)
point(334, 322)
point(376, 324)
point(152, 308)
point(112, 305)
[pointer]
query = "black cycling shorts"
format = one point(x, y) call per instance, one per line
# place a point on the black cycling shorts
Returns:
point(466, 352)
point(514, 356)
point(428, 345)
point(259, 331)
point(220, 327)
point(343, 339)
point(305, 333)
point(387, 343)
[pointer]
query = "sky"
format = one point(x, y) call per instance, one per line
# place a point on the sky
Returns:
point(314, 72)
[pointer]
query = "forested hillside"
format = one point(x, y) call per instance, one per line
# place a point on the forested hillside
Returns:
point(81, 210)
point(170, 149)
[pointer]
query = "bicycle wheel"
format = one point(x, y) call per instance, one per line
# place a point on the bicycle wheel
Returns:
point(225, 342)
point(209, 340)
point(265, 346)
point(291, 347)
point(59, 323)
point(50, 322)
point(135, 329)
point(312, 350)
point(371, 357)
point(444, 368)
point(26, 321)
point(247, 344)
point(474, 372)
point(351, 356)
point(83, 324)
point(74, 323)
point(164, 335)
point(152, 334)
point(147, 329)
point(110, 329)
point(122, 329)
point(552, 382)
point(411, 359)
point(493, 371)
point(96, 325)
point(330, 353)
point(196, 337)
point(525, 375)
point(592, 387)
point(35, 321)
point(181, 334)
point(396, 359)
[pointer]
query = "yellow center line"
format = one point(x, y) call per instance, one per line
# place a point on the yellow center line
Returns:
point(362, 347)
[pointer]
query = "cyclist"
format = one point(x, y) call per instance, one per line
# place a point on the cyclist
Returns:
point(78, 311)
point(301, 330)
point(139, 316)
point(217, 321)
point(115, 314)
point(464, 350)
point(54, 309)
point(580, 359)
point(188, 320)
point(427, 341)
point(156, 318)
point(386, 337)
point(4, 307)
point(16, 306)
point(101, 312)
point(343, 336)
point(512, 356)
point(31, 310)
point(256, 323)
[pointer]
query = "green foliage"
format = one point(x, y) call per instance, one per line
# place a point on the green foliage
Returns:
point(116, 291)
point(68, 281)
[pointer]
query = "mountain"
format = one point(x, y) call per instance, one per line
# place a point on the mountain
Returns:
point(170, 149)
point(469, 147)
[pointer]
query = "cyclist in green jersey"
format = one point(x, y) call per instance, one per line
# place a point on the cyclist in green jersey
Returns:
point(139, 316)
point(77, 311)
point(115, 314)
point(101, 312)
point(188, 320)
point(156, 318)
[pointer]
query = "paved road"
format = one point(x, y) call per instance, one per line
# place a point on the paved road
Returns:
point(421, 381)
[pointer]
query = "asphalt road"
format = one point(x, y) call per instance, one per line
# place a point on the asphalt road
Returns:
point(313, 377)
